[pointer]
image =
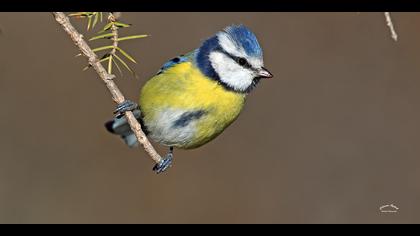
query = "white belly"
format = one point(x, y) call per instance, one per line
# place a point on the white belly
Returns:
point(164, 129)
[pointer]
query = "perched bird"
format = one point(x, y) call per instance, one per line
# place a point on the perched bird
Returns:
point(195, 96)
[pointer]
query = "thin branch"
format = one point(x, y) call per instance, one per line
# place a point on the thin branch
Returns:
point(117, 96)
point(114, 30)
point(388, 19)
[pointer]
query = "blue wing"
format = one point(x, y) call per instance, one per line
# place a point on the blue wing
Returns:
point(176, 60)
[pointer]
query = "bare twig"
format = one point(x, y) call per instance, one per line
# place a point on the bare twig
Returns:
point(117, 96)
point(114, 30)
point(391, 26)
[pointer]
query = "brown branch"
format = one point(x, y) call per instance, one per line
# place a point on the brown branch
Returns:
point(117, 96)
point(390, 25)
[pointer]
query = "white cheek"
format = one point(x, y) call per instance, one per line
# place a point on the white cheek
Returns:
point(230, 72)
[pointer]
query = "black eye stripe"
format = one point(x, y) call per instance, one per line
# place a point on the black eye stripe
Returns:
point(240, 60)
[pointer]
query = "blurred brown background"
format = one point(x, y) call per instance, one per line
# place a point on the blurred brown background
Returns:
point(334, 136)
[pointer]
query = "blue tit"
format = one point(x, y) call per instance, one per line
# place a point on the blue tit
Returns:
point(194, 97)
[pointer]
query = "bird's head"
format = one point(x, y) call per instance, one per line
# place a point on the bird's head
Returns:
point(234, 58)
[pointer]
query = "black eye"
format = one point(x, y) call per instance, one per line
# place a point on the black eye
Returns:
point(242, 61)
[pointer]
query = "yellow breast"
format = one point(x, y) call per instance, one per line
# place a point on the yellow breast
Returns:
point(183, 88)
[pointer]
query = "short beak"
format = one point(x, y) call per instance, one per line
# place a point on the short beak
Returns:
point(264, 73)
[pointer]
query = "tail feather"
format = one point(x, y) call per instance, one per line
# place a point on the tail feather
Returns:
point(131, 140)
point(109, 126)
point(120, 126)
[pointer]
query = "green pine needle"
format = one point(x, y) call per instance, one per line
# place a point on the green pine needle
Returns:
point(121, 25)
point(104, 59)
point(124, 64)
point(101, 36)
point(132, 37)
point(118, 67)
point(89, 22)
point(126, 55)
point(100, 61)
point(95, 20)
point(110, 65)
point(106, 27)
point(86, 67)
point(111, 59)
point(102, 48)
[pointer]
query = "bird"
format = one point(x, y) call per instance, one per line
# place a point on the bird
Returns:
point(194, 97)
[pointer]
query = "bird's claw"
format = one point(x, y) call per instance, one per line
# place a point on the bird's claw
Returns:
point(127, 105)
point(164, 164)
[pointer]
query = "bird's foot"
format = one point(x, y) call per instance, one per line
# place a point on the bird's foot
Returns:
point(164, 164)
point(127, 105)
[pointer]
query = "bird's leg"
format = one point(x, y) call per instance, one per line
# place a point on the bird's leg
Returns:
point(165, 163)
point(127, 105)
